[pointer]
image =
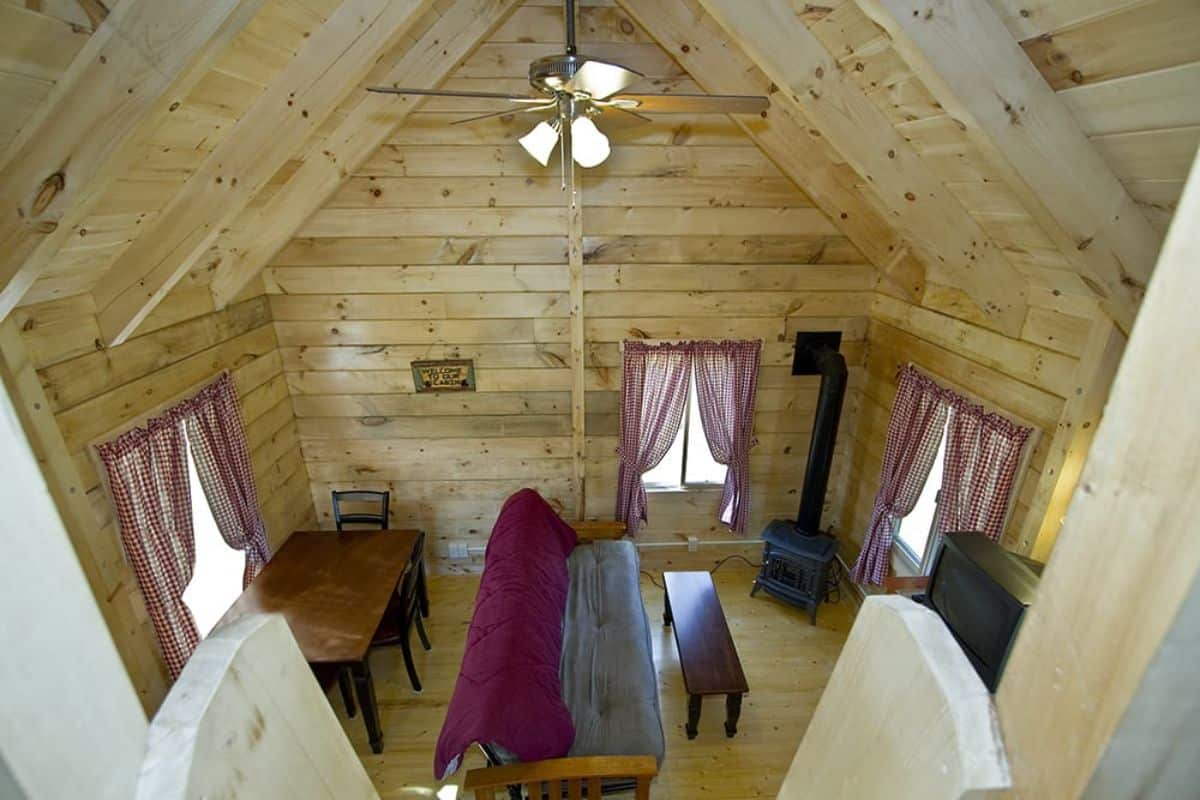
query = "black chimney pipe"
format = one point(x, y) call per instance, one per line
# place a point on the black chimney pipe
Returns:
point(818, 354)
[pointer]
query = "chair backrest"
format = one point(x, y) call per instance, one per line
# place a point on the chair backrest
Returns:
point(408, 584)
point(379, 499)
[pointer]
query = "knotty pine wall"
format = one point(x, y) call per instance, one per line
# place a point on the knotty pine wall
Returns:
point(1029, 376)
point(91, 392)
point(450, 242)
point(1017, 378)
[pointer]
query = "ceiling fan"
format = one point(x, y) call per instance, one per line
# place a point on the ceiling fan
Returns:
point(574, 90)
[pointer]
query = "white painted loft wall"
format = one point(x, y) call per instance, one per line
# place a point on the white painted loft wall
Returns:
point(70, 723)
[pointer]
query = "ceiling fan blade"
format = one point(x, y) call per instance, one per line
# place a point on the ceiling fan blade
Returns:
point(614, 119)
point(602, 79)
point(692, 103)
point(506, 112)
point(515, 98)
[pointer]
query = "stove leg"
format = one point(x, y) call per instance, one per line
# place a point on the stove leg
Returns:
point(754, 588)
point(733, 710)
point(667, 618)
point(812, 614)
point(693, 720)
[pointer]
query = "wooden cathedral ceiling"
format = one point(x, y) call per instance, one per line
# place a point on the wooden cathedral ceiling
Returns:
point(922, 128)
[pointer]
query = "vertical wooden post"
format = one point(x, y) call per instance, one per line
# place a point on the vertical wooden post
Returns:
point(578, 367)
point(1072, 437)
point(1128, 553)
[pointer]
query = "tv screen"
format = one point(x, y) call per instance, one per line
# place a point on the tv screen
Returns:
point(981, 591)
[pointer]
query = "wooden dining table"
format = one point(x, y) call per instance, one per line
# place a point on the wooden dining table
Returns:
point(333, 589)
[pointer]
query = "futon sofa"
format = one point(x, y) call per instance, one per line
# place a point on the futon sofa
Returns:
point(559, 661)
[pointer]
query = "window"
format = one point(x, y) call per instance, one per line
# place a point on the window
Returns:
point(217, 576)
point(917, 528)
point(689, 462)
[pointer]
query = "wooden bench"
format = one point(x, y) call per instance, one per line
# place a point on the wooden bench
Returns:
point(706, 652)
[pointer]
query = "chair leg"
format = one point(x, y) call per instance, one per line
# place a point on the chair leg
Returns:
point(422, 589)
point(347, 687)
point(421, 632)
point(408, 662)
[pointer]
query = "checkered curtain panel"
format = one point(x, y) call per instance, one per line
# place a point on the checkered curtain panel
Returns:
point(726, 385)
point(914, 433)
point(654, 390)
point(983, 452)
point(147, 473)
point(217, 438)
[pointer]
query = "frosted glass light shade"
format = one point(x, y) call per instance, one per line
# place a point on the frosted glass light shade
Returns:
point(540, 142)
point(589, 146)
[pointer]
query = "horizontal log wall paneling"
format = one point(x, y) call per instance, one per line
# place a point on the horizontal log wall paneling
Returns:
point(92, 392)
point(451, 242)
point(1020, 379)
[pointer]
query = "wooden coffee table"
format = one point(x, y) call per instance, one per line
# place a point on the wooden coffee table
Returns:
point(706, 653)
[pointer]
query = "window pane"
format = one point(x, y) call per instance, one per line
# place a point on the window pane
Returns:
point(668, 472)
point(217, 577)
point(915, 528)
point(701, 467)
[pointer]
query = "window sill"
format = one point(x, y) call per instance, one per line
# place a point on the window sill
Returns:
point(705, 488)
point(903, 563)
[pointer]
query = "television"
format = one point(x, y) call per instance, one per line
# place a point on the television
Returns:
point(981, 591)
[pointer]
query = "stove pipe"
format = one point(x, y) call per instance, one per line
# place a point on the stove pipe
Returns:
point(817, 354)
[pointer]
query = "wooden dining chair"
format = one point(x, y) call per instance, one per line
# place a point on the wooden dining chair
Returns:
point(374, 518)
point(403, 613)
point(379, 518)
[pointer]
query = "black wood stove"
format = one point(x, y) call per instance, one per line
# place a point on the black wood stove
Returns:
point(797, 554)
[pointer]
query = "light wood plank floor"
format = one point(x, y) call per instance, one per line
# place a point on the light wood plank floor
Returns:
point(786, 661)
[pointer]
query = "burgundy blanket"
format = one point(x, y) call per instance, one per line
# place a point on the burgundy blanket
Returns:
point(508, 691)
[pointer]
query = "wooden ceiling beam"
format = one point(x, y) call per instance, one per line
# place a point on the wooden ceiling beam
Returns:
point(246, 250)
point(329, 65)
point(720, 67)
point(811, 81)
point(142, 58)
point(964, 54)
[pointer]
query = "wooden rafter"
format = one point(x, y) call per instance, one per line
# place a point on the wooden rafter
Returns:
point(246, 249)
point(962, 51)
point(328, 66)
point(141, 58)
point(810, 80)
point(720, 67)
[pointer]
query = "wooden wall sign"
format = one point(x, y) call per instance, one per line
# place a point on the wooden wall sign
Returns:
point(454, 375)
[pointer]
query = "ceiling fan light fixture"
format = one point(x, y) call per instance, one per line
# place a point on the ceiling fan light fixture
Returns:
point(540, 141)
point(589, 146)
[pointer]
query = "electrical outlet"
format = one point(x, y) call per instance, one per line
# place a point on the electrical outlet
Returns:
point(693, 544)
point(458, 550)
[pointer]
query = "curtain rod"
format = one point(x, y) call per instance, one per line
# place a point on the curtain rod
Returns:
point(621, 344)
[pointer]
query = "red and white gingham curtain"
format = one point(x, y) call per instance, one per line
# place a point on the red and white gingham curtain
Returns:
point(983, 452)
point(147, 473)
point(654, 389)
point(217, 437)
point(914, 433)
point(726, 386)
